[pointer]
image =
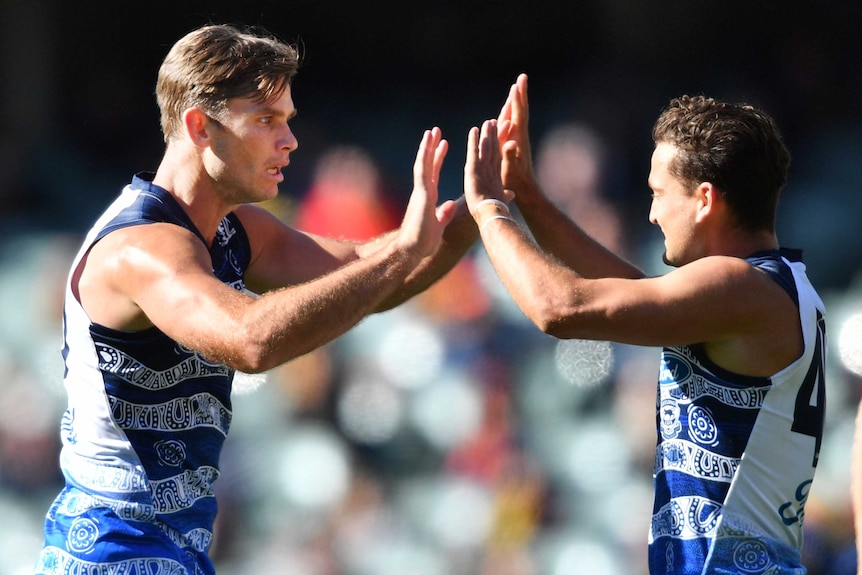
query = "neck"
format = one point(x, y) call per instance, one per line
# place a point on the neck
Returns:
point(183, 176)
point(743, 245)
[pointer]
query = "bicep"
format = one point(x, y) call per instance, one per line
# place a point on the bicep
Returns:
point(169, 277)
point(702, 302)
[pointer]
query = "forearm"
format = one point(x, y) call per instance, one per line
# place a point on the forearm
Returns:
point(539, 284)
point(290, 322)
point(460, 235)
point(561, 237)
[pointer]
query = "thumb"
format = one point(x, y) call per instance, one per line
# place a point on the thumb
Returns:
point(510, 151)
point(446, 212)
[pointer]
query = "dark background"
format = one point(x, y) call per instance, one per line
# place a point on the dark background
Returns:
point(79, 113)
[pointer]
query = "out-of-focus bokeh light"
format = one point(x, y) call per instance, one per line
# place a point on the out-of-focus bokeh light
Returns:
point(397, 555)
point(370, 411)
point(411, 354)
point(584, 362)
point(850, 343)
point(448, 411)
point(245, 383)
point(455, 512)
point(313, 466)
point(578, 554)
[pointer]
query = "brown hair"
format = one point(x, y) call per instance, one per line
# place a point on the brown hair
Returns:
point(736, 147)
point(215, 63)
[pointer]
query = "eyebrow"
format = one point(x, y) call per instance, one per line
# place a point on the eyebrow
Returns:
point(269, 111)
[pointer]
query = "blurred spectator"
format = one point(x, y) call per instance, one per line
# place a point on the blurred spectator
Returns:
point(570, 166)
point(346, 198)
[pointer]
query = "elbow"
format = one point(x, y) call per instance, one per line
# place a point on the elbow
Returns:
point(564, 319)
point(550, 318)
point(248, 359)
point(249, 353)
point(251, 364)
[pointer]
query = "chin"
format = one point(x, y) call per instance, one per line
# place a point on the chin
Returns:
point(668, 261)
point(264, 195)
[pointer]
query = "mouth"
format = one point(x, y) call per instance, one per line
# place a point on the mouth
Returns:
point(275, 172)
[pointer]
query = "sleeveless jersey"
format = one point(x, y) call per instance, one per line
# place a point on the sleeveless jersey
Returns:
point(736, 454)
point(145, 424)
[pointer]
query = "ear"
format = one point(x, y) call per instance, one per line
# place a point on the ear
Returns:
point(198, 126)
point(709, 200)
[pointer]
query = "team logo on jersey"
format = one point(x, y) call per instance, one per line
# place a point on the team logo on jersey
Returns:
point(673, 369)
point(669, 418)
point(82, 535)
point(751, 556)
point(701, 425)
point(170, 452)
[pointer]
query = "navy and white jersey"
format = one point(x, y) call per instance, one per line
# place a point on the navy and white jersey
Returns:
point(736, 454)
point(144, 427)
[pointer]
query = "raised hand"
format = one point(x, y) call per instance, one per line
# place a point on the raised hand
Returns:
point(424, 221)
point(482, 168)
point(514, 138)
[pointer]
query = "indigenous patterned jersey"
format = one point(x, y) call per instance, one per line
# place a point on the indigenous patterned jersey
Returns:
point(144, 427)
point(736, 454)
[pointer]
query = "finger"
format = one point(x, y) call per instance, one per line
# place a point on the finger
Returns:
point(520, 108)
point(489, 147)
point(419, 163)
point(506, 110)
point(510, 151)
point(439, 155)
point(522, 85)
point(446, 211)
point(430, 157)
point(472, 146)
point(503, 130)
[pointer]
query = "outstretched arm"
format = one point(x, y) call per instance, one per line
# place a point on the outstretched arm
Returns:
point(161, 275)
point(740, 311)
point(552, 229)
point(288, 257)
point(458, 236)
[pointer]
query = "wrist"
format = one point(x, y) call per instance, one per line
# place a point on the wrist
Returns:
point(530, 194)
point(491, 209)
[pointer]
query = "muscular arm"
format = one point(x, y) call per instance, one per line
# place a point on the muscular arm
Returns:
point(161, 275)
point(284, 256)
point(292, 257)
point(460, 235)
point(747, 322)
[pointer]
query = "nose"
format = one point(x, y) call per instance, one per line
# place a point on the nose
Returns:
point(652, 216)
point(288, 141)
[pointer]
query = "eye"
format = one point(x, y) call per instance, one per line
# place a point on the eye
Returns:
point(266, 120)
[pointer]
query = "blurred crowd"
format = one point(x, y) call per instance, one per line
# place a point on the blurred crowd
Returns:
point(445, 437)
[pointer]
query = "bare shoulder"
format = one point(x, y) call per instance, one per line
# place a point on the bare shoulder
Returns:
point(763, 331)
point(127, 265)
point(728, 279)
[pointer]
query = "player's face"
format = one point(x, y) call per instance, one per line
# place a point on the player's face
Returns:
point(250, 147)
point(673, 208)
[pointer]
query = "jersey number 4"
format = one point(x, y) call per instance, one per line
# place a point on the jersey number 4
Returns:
point(810, 411)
